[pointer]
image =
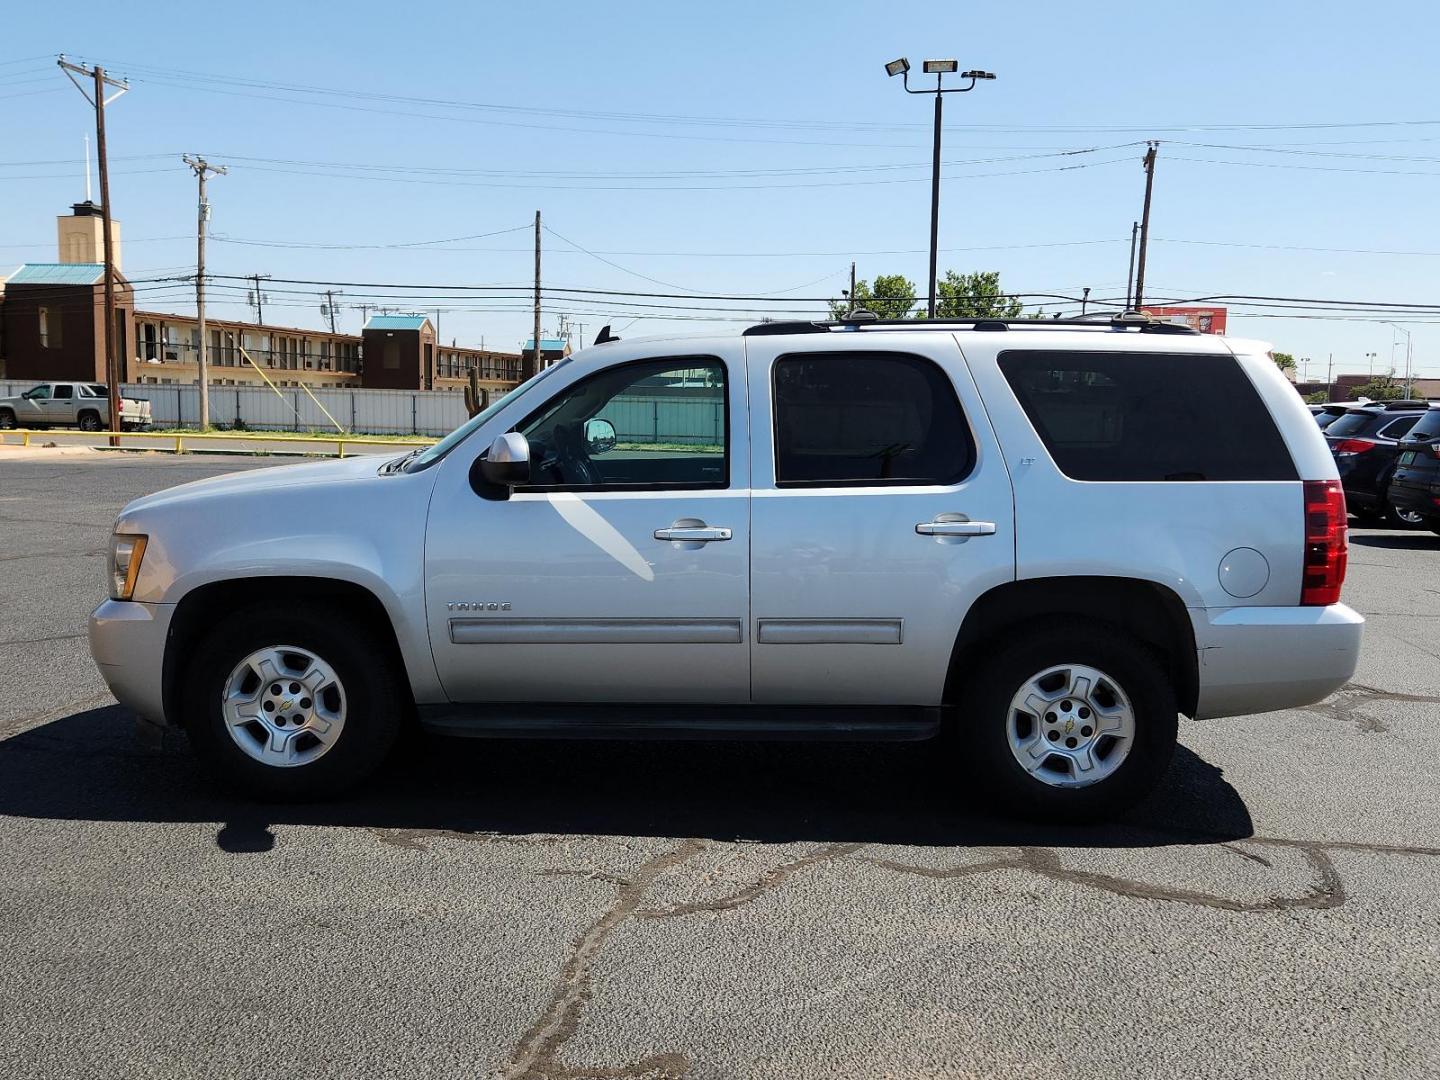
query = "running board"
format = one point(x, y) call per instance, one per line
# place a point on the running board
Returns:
point(778, 723)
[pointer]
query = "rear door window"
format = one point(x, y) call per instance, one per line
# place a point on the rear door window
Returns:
point(64, 391)
point(867, 418)
point(1148, 416)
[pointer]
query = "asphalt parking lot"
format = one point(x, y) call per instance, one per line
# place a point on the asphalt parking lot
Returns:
point(590, 910)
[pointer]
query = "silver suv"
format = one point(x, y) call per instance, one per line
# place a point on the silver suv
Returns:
point(1045, 539)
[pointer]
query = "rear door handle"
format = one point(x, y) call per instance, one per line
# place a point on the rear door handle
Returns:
point(698, 533)
point(956, 528)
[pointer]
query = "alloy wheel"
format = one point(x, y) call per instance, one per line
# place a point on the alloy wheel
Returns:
point(283, 706)
point(1070, 726)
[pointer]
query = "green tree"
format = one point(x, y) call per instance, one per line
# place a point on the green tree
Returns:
point(1283, 360)
point(973, 296)
point(1319, 397)
point(892, 298)
point(1382, 388)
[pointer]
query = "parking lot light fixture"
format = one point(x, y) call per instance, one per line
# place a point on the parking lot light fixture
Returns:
point(938, 68)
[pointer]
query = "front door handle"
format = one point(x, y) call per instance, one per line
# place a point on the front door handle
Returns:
point(703, 534)
point(956, 528)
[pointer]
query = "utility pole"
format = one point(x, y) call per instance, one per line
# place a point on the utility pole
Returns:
point(1329, 366)
point(1130, 277)
point(98, 101)
point(202, 169)
point(535, 361)
point(330, 308)
point(364, 313)
point(259, 297)
point(1145, 224)
point(852, 286)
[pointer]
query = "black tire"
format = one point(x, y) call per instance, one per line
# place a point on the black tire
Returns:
point(89, 421)
point(7, 420)
point(981, 735)
point(374, 702)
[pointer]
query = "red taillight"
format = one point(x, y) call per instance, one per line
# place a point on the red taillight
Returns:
point(1326, 550)
point(1351, 446)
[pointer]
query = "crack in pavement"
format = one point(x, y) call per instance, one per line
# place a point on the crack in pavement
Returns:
point(1347, 702)
point(536, 1056)
point(417, 839)
point(41, 640)
point(1327, 892)
point(770, 879)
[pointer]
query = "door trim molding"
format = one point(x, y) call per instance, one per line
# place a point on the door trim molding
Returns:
point(830, 631)
point(596, 631)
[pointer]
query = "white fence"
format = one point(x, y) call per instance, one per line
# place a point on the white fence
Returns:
point(369, 412)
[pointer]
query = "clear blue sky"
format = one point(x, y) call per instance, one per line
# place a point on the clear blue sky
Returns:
point(771, 150)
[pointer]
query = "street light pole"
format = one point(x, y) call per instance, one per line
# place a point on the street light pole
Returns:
point(1408, 352)
point(938, 68)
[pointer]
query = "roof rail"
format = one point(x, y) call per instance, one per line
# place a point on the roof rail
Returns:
point(1130, 320)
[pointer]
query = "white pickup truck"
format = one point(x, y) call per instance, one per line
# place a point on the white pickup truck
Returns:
point(71, 404)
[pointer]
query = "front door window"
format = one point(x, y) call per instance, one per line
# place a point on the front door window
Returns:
point(659, 424)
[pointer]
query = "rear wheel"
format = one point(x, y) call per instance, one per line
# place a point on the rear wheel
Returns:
point(1069, 724)
point(286, 705)
point(1399, 517)
point(89, 421)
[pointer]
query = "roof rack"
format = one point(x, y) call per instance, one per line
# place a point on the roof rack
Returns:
point(864, 320)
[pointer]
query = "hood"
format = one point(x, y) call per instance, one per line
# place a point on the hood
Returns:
point(361, 467)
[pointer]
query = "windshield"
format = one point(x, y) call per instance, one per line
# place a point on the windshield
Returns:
point(460, 434)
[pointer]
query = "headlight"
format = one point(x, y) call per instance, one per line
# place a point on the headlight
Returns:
point(126, 551)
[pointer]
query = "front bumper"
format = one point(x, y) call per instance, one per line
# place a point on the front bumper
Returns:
point(1259, 659)
point(127, 640)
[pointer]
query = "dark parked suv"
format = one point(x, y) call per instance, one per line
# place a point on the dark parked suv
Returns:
point(1415, 488)
point(1365, 442)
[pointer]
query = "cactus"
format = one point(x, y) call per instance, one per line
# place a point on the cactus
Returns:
point(474, 398)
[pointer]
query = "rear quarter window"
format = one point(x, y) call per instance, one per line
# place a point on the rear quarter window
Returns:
point(1148, 416)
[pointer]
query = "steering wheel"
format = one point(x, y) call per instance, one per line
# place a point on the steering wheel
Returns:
point(571, 457)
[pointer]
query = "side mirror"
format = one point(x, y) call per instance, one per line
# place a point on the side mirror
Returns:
point(599, 437)
point(507, 463)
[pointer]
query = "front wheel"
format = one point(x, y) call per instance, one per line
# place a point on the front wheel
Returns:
point(1069, 724)
point(288, 705)
point(7, 420)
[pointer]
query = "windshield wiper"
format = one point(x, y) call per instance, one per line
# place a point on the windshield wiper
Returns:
point(398, 465)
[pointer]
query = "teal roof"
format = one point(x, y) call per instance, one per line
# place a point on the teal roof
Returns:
point(547, 344)
point(58, 274)
point(396, 322)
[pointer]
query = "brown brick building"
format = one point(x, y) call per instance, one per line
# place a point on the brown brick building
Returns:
point(52, 321)
point(52, 327)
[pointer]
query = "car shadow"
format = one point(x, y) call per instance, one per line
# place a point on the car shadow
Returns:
point(91, 766)
point(1419, 540)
